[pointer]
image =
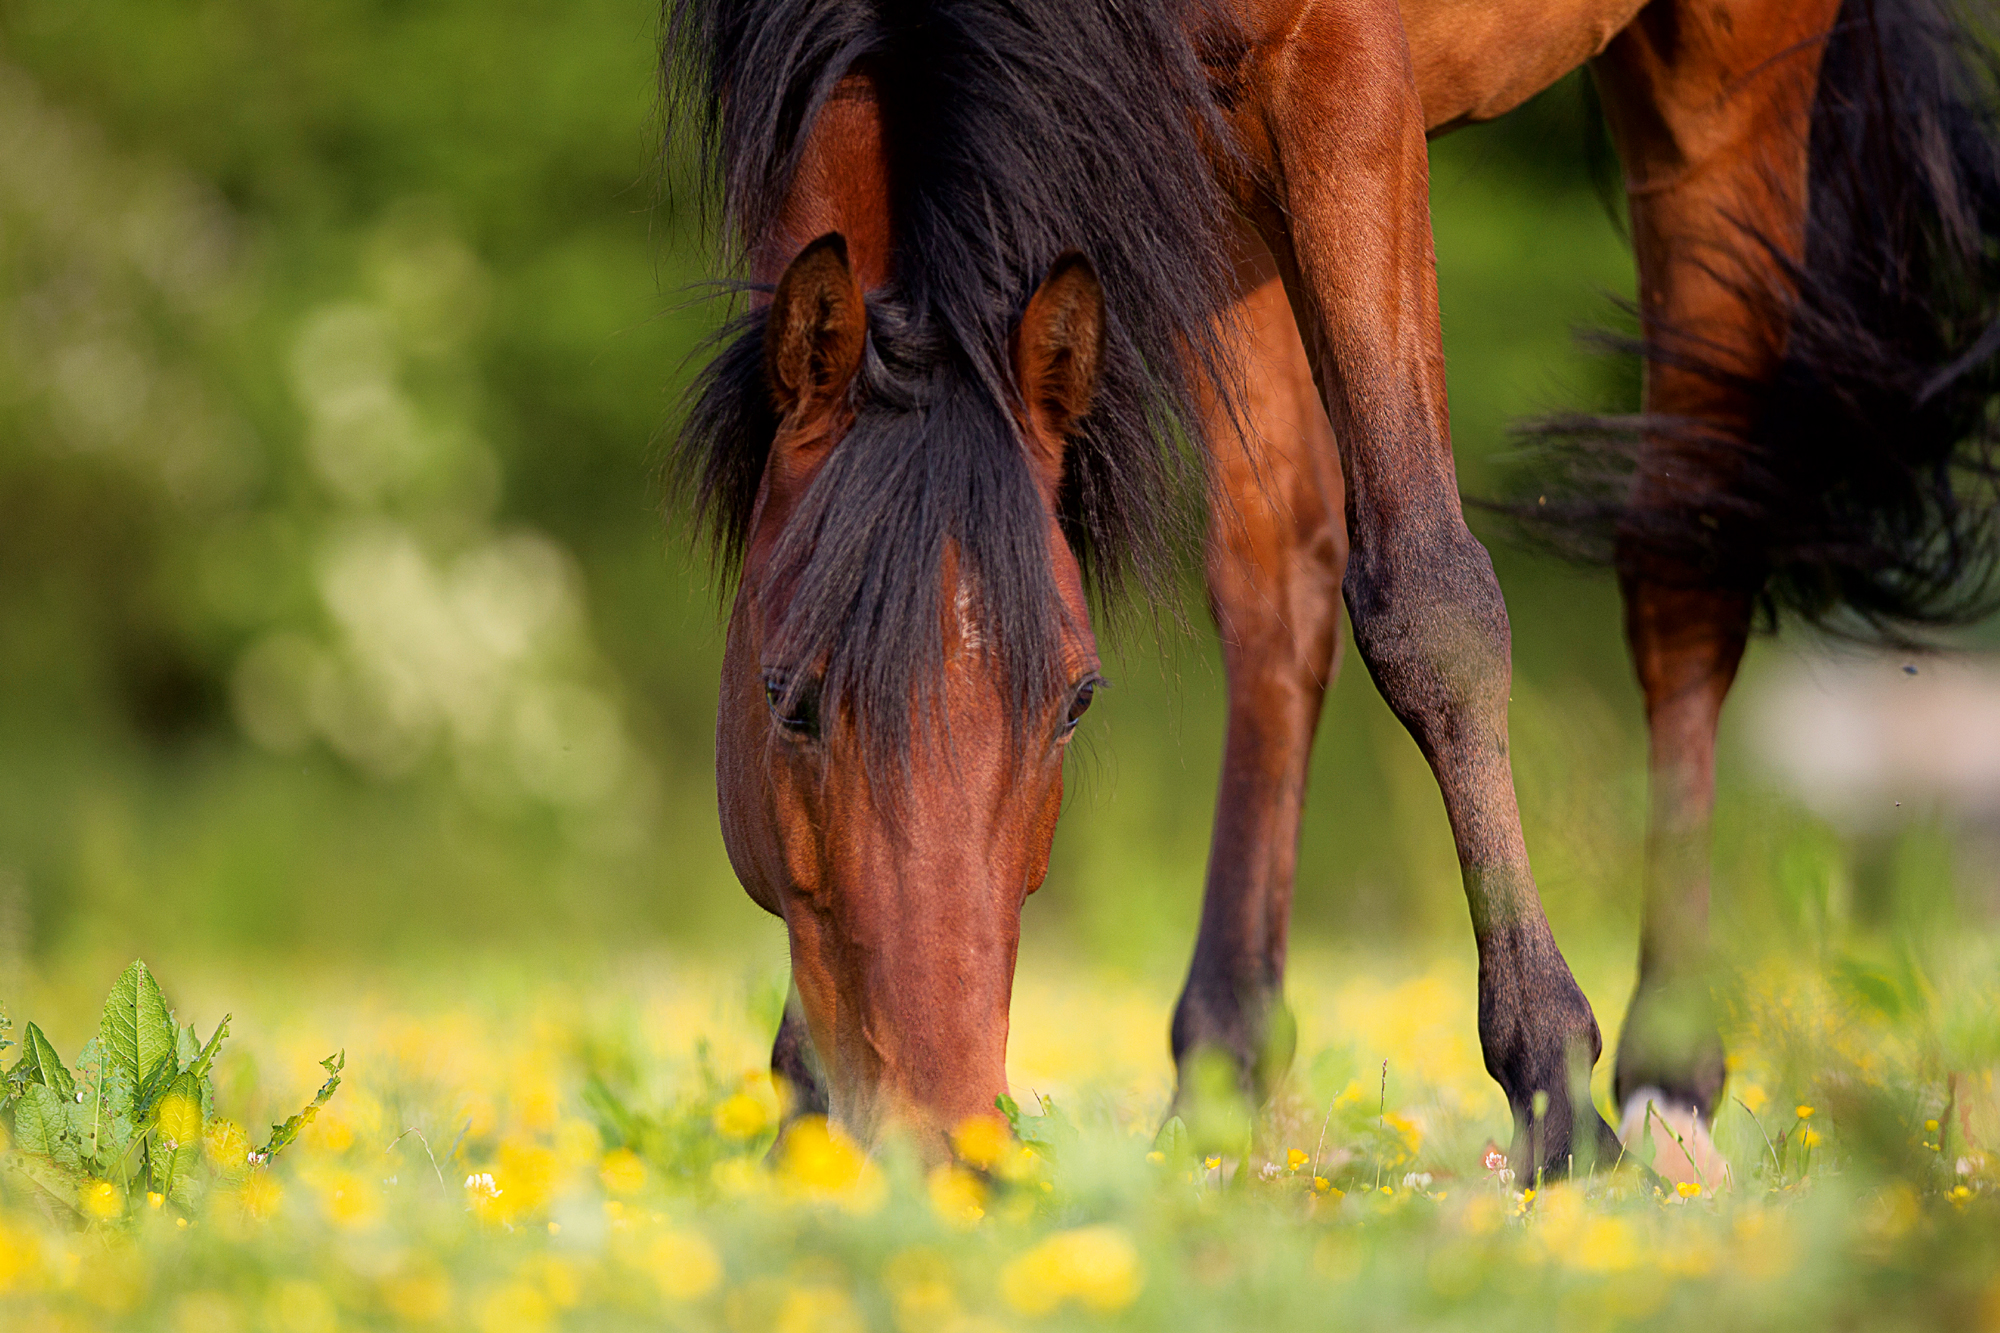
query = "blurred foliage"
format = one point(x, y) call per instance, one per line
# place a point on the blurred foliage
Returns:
point(338, 612)
point(336, 606)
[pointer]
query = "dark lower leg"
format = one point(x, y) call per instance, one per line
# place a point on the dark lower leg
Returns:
point(1686, 645)
point(1233, 1000)
point(1275, 554)
point(1447, 679)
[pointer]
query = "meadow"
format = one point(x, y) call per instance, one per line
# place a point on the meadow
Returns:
point(356, 675)
point(516, 1150)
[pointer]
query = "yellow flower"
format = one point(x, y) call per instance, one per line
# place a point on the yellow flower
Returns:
point(1604, 1245)
point(1408, 1131)
point(1810, 1138)
point(20, 1256)
point(1296, 1159)
point(1156, 1157)
point(622, 1172)
point(154, 1198)
point(522, 1181)
point(1098, 1267)
point(1805, 1112)
point(819, 1157)
point(980, 1140)
point(1212, 1163)
point(101, 1199)
point(684, 1264)
point(957, 1195)
point(740, 1116)
point(1754, 1097)
point(1687, 1189)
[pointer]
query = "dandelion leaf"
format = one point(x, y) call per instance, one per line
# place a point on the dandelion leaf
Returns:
point(185, 1185)
point(176, 1142)
point(43, 1126)
point(57, 1181)
point(136, 1032)
point(106, 1118)
point(40, 1064)
point(283, 1136)
point(201, 1063)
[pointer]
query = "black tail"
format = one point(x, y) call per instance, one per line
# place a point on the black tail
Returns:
point(1864, 496)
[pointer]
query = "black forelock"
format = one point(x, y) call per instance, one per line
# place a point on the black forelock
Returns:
point(1016, 130)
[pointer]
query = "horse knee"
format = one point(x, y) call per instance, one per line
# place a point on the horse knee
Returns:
point(1432, 627)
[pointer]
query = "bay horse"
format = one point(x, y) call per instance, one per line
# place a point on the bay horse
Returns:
point(1029, 276)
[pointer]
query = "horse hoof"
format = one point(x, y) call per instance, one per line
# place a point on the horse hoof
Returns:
point(1684, 1152)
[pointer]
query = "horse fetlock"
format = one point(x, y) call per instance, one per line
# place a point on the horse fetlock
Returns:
point(1250, 1033)
point(1672, 1044)
point(1558, 1132)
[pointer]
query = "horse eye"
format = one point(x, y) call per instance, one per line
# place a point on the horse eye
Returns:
point(1079, 704)
point(802, 719)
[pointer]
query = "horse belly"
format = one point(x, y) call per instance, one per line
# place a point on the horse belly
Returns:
point(1477, 59)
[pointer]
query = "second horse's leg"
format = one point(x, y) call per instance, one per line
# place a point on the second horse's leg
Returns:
point(1276, 550)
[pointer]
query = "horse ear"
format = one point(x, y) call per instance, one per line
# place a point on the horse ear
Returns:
point(816, 328)
point(1058, 351)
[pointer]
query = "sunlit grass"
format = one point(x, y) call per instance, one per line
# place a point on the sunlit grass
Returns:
point(536, 1154)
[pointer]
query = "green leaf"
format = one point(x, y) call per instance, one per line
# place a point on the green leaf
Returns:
point(200, 1064)
point(282, 1136)
point(1173, 1141)
point(176, 1133)
point(184, 1185)
point(60, 1182)
point(136, 1032)
point(107, 1119)
point(43, 1126)
point(40, 1064)
point(187, 1047)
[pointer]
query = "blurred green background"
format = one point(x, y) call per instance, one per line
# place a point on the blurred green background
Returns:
point(339, 615)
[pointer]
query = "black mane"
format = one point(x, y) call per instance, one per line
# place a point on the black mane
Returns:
point(1016, 130)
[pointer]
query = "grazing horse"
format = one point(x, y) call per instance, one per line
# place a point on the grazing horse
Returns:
point(1028, 275)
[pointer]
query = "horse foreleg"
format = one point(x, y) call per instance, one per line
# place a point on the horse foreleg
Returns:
point(1345, 202)
point(1276, 549)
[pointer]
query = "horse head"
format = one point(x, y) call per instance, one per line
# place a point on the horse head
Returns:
point(907, 658)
